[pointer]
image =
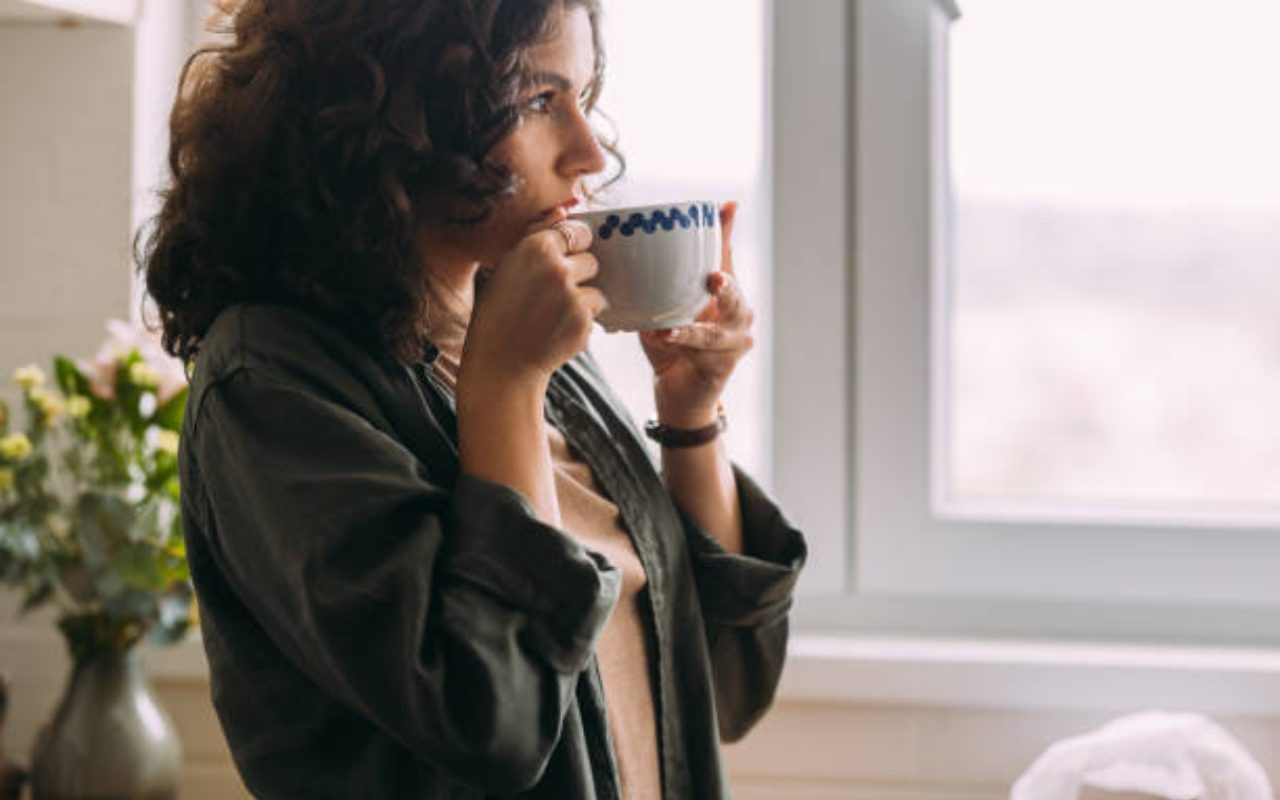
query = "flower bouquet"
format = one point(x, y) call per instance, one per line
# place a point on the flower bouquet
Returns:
point(89, 517)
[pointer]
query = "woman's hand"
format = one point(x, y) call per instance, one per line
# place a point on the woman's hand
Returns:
point(533, 314)
point(691, 365)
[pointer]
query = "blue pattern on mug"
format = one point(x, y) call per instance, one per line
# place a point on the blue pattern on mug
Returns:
point(666, 220)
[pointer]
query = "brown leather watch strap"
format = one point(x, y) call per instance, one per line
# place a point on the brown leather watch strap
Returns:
point(685, 437)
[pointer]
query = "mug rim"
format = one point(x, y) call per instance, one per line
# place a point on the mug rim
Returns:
point(680, 204)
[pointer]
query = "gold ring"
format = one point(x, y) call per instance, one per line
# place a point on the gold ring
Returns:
point(568, 239)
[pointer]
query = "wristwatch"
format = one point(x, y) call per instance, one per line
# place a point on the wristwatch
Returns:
point(686, 437)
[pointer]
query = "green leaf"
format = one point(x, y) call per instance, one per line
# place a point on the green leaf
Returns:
point(103, 523)
point(148, 525)
point(166, 470)
point(112, 458)
point(172, 489)
point(169, 415)
point(141, 565)
point(129, 394)
point(70, 379)
point(99, 412)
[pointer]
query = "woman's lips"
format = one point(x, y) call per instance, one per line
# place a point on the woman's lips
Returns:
point(566, 205)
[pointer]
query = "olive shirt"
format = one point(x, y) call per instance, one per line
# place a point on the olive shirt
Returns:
point(379, 625)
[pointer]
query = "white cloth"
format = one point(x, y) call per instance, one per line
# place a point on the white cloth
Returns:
point(1146, 756)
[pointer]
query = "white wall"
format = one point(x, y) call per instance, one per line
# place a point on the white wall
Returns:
point(65, 127)
point(65, 141)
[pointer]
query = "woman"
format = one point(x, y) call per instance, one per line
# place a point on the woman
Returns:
point(432, 556)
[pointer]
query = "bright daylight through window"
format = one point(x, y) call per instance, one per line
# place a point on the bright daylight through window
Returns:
point(1113, 336)
point(691, 124)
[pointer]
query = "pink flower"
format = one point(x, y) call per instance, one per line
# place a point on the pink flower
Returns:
point(101, 375)
point(122, 339)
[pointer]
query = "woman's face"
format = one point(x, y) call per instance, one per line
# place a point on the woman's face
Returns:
point(552, 147)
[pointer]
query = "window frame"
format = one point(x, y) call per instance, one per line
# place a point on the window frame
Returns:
point(859, 91)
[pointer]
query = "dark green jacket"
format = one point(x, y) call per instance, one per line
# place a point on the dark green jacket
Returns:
point(380, 626)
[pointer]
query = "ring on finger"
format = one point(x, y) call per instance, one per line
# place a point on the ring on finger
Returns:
point(568, 237)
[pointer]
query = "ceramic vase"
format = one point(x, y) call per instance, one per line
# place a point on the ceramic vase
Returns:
point(109, 739)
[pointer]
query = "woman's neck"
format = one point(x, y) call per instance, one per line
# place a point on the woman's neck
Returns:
point(451, 274)
point(454, 290)
point(451, 297)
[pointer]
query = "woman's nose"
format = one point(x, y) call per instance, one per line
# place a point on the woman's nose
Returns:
point(582, 154)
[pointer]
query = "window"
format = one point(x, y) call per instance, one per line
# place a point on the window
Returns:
point(691, 124)
point(871, 400)
point(1111, 328)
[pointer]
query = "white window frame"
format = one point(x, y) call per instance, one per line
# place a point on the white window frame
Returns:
point(860, 219)
point(853, 643)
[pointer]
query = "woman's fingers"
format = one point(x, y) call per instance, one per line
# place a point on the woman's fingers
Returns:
point(731, 302)
point(593, 300)
point(560, 235)
point(728, 304)
point(724, 326)
point(728, 213)
point(708, 336)
point(582, 267)
point(573, 235)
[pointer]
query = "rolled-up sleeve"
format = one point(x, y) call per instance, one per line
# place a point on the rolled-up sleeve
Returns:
point(453, 619)
point(745, 601)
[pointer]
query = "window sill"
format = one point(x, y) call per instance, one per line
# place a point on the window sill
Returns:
point(981, 673)
point(1030, 675)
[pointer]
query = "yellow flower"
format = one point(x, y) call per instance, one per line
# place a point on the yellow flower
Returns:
point(78, 406)
point(144, 375)
point(58, 526)
point(167, 442)
point(15, 446)
point(28, 377)
point(6, 479)
point(50, 404)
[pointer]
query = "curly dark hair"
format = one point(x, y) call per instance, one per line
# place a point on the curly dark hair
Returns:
point(303, 145)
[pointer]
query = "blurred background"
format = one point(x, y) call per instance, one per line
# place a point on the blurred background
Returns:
point(1016, 268)
point(1116, 255)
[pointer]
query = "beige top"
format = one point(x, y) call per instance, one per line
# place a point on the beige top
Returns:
point(622, 650)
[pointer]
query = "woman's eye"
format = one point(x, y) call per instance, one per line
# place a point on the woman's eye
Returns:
point(539, 102)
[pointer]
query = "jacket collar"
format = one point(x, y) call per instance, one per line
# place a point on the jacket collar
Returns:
point(429, 352)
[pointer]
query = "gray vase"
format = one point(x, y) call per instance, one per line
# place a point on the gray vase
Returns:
point(109, 739)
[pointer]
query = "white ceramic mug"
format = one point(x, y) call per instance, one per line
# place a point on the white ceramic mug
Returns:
point(654, 262)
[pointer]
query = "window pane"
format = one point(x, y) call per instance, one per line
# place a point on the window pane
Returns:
point(687, 101)
point(1114, 318)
